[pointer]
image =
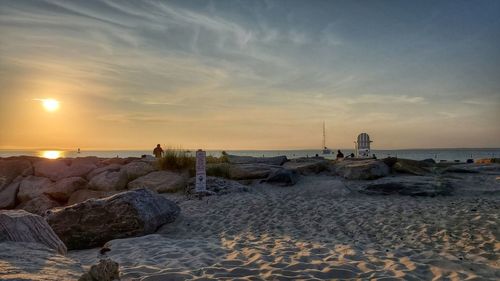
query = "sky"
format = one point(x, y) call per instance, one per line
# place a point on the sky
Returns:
point(249, 74)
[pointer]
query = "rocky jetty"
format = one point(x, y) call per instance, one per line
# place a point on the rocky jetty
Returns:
point(94, 222)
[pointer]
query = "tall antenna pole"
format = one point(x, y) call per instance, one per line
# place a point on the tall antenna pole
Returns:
point(324, 135)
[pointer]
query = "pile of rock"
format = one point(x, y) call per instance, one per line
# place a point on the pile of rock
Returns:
point(37, 185)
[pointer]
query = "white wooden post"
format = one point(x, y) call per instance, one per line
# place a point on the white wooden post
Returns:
point(201, 173)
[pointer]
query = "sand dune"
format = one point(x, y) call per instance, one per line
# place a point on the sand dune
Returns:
point(317, 230)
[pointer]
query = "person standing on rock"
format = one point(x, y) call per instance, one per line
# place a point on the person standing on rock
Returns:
point(158, 151)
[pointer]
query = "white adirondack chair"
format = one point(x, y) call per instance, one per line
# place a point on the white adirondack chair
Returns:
point(363, 145)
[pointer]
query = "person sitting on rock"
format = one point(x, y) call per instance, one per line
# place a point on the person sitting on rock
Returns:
point(158, 151)
point(340, 155)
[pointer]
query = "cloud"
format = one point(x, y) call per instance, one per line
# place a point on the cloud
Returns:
point(133, 117)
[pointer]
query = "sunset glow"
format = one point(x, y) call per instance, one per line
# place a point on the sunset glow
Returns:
point(51, 154)
point(50, 104)
point(249, 74)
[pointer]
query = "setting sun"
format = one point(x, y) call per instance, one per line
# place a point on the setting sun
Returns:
point(50, 104)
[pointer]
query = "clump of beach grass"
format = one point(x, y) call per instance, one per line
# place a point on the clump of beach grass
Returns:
point(178, 159)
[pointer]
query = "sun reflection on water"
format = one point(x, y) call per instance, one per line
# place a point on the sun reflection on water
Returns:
point(51, 154)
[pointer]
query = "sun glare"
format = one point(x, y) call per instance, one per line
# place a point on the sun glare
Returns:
point(51, 154)
point(50, 104)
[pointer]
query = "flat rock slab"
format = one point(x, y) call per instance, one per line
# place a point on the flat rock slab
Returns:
point(33, 261)
point(21, 226)
point(217, 186)
point(94, 222)
point(276, 160)
point(369, 169)
point(491, 169)
point(282, 177)
point(409, 185)
point(308, 166)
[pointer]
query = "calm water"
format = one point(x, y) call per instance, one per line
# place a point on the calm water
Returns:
point(416, 154)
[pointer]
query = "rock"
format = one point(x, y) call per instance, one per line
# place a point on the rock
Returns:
point(250, 171)
point(62, 189)
point(283, 177)
point(277, 160)
point(12, 168)
point(217, 186)
point(308, 166)
point(39, 205)
point(21, 226)
point(429, 161)
point(160, 181)
point(413, 167)
point(137, 169)
point(56, 169)
point(108, 168)
point(115, 160)
point(105, 270)
point(361, 169)
point(412, 186)
point(34, 261)
point(490, 168)
point(94, 222)
point(109, 180)
point(32, 187)
point(85, 194)
point(8, 195)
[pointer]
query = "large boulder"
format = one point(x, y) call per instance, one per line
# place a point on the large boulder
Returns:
point(160, 181)
point(94, 222)
point(39, 205)
point(308, 166)
point(361, 169)
point(283, 177)
point(34, 261)
point(109, 180)
point(8, 195)
point(12, 168)
point(21, 226)
point(56, 169)
point(412, 186)
point(105, 270)
point(277, 160)
point(85, 194)
point(62, 189)
point(32, 187)
point(138, 169)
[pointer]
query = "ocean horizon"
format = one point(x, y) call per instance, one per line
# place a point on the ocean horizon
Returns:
point(438, 154)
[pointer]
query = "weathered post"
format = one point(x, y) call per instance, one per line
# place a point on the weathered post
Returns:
point(201, 173)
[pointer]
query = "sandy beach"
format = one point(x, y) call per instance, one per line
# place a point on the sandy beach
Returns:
point(319, 229)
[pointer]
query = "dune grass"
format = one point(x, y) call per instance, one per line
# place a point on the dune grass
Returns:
point(178, 159)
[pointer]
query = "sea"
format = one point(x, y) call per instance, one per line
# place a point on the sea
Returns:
point(438, 154)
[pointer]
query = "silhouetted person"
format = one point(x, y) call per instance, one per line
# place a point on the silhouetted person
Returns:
point(352, 155)
point(374, 157)
point(158, 151)
point(340, 155)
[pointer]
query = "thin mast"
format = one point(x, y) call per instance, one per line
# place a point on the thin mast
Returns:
point(324, 135)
